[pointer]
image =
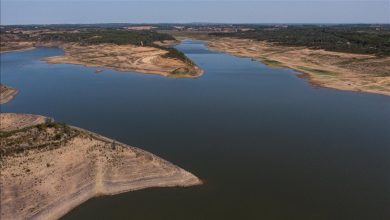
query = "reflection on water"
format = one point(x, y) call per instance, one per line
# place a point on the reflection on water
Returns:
point(268, 144)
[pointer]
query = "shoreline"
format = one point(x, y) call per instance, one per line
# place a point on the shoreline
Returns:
point(126, 58)
point(140, 71)
point(90, 165)
point(122, 58)
point(7, 93)
point(16, 46)
point(327, 69)
point(16, 50)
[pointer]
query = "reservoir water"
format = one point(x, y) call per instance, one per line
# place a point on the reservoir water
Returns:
point(267, 143)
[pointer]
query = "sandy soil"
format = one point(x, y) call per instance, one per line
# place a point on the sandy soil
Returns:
point(50, 168)
point(166, 43)
point(13, 121)
point(126, 58)
point(7, 93)
point(344, 71)
point(15, 46)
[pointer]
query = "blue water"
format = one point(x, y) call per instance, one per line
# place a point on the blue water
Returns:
point(267, 143)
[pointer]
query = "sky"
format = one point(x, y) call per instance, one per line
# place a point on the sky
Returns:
point(184, 11)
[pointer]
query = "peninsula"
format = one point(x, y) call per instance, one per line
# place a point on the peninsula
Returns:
point(120, 49)
point(7, 93)
point(144, 59)
point(344, 57)
point(37, 155)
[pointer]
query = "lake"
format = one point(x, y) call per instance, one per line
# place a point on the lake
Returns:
point(267, 143)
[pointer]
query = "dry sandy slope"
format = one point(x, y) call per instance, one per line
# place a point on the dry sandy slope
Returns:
point(13, 121)
point(15, 46)
point(344, 71)
point(7, 93)
point(125, 58)
point(47, 170)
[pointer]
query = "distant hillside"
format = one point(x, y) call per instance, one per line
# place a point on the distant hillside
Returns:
point(145, 38)
point(354, 39)
point(86, 36)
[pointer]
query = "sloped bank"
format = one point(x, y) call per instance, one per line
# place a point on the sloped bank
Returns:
point(7, 93)
point(337, 70)
point(143, 59)
point(49, 168)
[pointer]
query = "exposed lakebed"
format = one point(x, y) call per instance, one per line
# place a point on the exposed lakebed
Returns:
point(267, 144)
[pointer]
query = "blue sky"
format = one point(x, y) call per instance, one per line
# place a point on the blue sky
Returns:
point(224, 11)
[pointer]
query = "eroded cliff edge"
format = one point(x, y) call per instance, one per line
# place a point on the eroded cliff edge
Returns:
point(48, 168)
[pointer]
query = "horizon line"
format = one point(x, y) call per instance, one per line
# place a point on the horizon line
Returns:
point(196, 22)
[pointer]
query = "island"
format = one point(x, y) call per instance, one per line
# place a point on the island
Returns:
point(48, 168)
point(7, 93)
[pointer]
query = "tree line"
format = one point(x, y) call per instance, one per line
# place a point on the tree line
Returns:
point(120, 37)
point(354, 39)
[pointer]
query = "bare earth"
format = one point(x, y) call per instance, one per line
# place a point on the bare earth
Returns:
point(167, 42)
point(13, 121)
point(7, 93)
point(344, 71)
point(48, 168)
point(15, 46)
point(126, 58)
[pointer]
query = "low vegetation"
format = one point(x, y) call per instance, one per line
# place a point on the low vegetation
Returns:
point(272, 63)
point(119, 37)
point(87, 36)
point(174, 53)
point(343, 38)
point(49, 134)
point(48, 168)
